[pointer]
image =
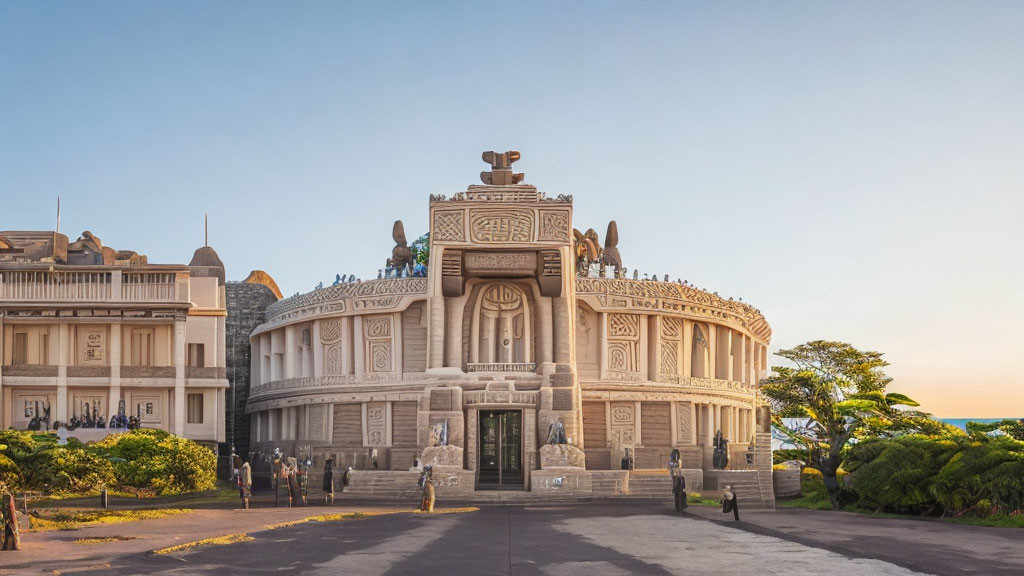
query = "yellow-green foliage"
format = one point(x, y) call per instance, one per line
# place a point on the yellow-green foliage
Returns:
point(75, 519)
point(166, 463)
point(219, 540)
point(61, 469)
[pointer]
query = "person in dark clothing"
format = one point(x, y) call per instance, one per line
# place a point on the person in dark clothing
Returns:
point(675, 469)
point(730, 503)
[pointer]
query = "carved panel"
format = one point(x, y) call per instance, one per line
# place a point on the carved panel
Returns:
point(92, 346)
point(316, 422)
point(671, 328)
point(624, 325)
point(377, 327)
point(622, 356)
point(332, 360)
point(330, 331)
point(554, 225)
point(448, 226)
point(376, 423)
point(380, 356)
point(669, 357)
point(623, 427)
point(500, 226)
point(684, 422)
point(501, 261)
point(561, 399)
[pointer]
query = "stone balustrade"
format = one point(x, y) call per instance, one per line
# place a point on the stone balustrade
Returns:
point(91, 286)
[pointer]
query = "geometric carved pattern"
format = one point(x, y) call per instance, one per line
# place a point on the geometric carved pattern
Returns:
point(379, 327)
point(622, 423)
point(332, 364)
point(509, 225)
point(330, 331)
point(685, 425)
point(554, 225)
point(671, 328)
point(622, 356)
point(448, 226)
point(380, 356)
point(376, 424)
point(624, 325)
point(669, 357)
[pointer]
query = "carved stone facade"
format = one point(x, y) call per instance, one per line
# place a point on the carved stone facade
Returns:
point(471, 368)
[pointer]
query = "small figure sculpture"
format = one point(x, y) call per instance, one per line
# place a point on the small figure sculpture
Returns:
point(292, 468)
point(337, 279)
point(556, 432)
point(380, 274)
point(439, 433)
point(351, 277)
point(401, 254)
point(636, 275)
point(610, 256)
point(420, 270)
point(720, 459)
point(320, 285)
point(388, 269)
point(665, 279)
point(675, 470)
point(587, 247)
point(426, 489)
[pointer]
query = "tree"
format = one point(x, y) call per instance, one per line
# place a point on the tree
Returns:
point(841, 391)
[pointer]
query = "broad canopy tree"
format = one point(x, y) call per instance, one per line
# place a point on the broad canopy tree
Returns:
point(841, 392)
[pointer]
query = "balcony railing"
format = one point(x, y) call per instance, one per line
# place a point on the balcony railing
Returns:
point(89, 286)
point(502, 367)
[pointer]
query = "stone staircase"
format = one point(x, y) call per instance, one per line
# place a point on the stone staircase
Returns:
point(608, 483)
point(745, 483)
point(644, 485)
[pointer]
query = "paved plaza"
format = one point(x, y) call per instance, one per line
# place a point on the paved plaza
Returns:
point(612, 538)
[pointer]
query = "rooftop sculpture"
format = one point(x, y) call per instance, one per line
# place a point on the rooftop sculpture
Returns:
point(501, 169)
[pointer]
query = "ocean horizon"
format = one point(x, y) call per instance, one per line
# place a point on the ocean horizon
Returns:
point(961, 423)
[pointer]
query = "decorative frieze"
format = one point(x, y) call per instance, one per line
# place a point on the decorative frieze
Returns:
point(554, 225)
point(501, 226)
point(448, 226)
point(330, 331)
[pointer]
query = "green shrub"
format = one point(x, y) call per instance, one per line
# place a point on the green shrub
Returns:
point(896, 475)
point(60, 469)
point(991, 470)
point(161, 461)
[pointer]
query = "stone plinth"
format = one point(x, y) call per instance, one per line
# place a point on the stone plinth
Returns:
point(561, 482)
point(446, 456)
point(561, 456)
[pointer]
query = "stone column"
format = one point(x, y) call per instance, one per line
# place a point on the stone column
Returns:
point(179, 377)
point(602, 346)
point(396, 355)
point(695, 431)
point(115, 369)
point(712, 336)
point(358, 348)
point(673, 423)
point(545, 330)
point(63, 354)
point(453, 337)
point(653, 347)
point(289, 352)
point(435, 311)
point(562, 330)
point(318, 351)
point(346, 345)
point(687, 355)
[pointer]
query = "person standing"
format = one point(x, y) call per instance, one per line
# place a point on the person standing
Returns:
point(675, 470)
point(11, 535)
point(245, 482)
point(730, 503)
point(329, 481)
point(427, 488)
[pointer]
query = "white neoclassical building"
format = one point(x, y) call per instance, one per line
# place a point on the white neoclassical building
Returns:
point(84, 328)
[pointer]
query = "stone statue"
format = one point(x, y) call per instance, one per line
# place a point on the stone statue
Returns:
point(401, 254)
point(501, 169)
point(41, 419)
point(439, 433)
point(587, 247)
point(610, 256)
point(427, 489)
point(556, 432)
point(337, 280)
point(720, 459)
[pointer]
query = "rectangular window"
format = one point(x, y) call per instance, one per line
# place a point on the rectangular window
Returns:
point(142, 347)
point(196, 355)
point(195, 409)
point(20, 349)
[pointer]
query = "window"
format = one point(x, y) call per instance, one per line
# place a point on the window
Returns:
point(20, 349)
point(196, 355)
point(195, 409)
point(142, 347)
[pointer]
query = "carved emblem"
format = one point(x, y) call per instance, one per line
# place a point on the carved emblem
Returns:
point(497, 226)
point(448, 226)
point(376, 424)
point(379, 327)
point(554, 225)
point(330, 331)
point(380, 356)
point(332, 362)
point(624, 325)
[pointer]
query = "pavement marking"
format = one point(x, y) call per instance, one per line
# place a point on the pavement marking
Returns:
point(689, 546)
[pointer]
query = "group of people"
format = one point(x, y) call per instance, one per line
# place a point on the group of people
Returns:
point(675, 469)
point(286, 472)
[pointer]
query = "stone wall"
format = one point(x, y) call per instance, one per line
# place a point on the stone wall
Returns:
point(246, 305)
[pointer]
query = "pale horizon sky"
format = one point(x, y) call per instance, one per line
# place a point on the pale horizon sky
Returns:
point(851, 169)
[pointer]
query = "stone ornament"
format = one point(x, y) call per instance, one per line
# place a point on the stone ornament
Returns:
point(501, 226)
point(501, 169)
point(448, 226)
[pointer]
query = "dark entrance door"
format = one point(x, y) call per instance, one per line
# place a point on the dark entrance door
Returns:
point(501, 449)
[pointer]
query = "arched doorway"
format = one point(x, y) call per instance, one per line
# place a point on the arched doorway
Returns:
point(501, 331)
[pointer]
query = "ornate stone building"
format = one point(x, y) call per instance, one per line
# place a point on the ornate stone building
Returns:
point(84, 327)
point(522, 322)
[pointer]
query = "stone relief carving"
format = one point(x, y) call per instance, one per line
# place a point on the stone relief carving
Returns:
point(379, 327)
point(332, 298)
point(624, 325)
point(316, 422)
point(684, 422)
point(672, 297)
point(622, 424)
point(332, 360)
point(500, 261)
point(499, 226)
point(669, 357)
point(376, 424)
point(330, 331)
point(380, 356)
point(554, 225)
point(448, 226)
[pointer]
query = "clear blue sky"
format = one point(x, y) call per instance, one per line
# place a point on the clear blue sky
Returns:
point(853, 169)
